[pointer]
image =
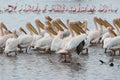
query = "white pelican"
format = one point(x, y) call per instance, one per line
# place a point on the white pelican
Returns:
point(26, 40)
point(58, 40)
point(11, 44)
point(52, 27)
point(108, 42)
point(116, 29)
point(73, 43)
point(94, 35)
point(4, 34)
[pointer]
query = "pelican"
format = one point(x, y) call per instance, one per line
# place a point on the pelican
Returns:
point(25, 40)
point(45, 43)
point(112, 42)
point(94, 35)
point(73, 43)
point(4, 34)
point(53, 26)
point(58, 40)
point(116, 29)
point(11, 44)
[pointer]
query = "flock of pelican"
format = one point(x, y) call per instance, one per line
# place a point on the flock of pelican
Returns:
point(62, 38)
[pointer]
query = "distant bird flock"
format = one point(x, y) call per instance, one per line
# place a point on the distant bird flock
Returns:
point(63, 38)
point(58, 8)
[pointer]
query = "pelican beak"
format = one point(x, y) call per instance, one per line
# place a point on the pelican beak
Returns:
point(117, 22)
point(31, 28)
point(61, 23)
point(101, 22)
point(111, 31)
point(7, 32)
point(21, 29)
point(48, 18)
point(79, 23)
point(3, 26)
point(50, 30)
point(74, 27)
point(95, 19)
point(57, 25)
point(98, 20)
point(108, 24)
point(79, 27)
point(39, 24)
point(47, 23)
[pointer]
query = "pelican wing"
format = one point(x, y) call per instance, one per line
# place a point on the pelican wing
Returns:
point(73, 43)
point(56, 44)
point(25, 40)
point(44, 42)
point(11, 45)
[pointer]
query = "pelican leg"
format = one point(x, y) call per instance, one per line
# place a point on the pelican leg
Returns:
point(65, 57)
point(102, 44)
point(7, 54)
point(119, 52)
point(70, 57)
point(15, 53)
point(26, 50)
point(61, 56)
point(86, 50)
point(20, 48)
point(105, 51)
point(1, 49)
point(47, 50)
point(114, 51)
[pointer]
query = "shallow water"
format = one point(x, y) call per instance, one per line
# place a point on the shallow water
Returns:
point(37, 66)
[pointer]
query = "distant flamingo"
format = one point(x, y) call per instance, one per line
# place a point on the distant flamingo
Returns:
point(25, 9)
point(91, 10)
point(37, 9)
point(62, 8)
point(44, 9)
point(84, 9)
point(101, 8)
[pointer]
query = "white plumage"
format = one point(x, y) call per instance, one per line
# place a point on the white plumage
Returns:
point(11, 45)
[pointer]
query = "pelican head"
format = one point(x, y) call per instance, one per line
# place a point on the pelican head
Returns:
point(80, 27)
point(47, 23)
point(61, 23)
point(7, 32)
point(3, 26)
point(55, 24)
point(107, 24)
point(116, 22)
point(31, 28)
point(74, 27)
point(112, 33)
point(22, 30)
point(48, 18)
point(39, 24)
point(50, 30)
